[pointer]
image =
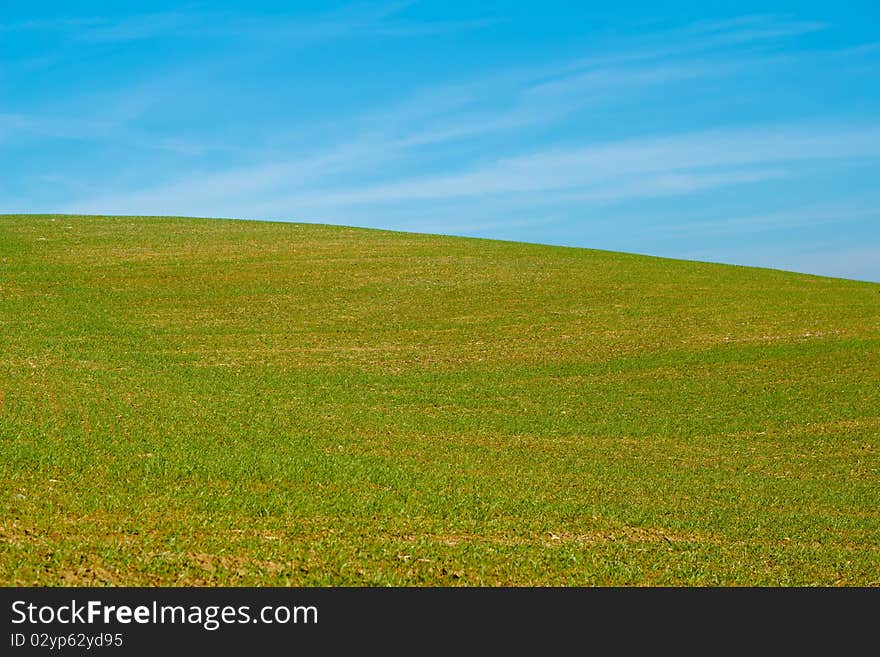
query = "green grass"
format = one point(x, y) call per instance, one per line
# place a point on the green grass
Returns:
point(213, 402)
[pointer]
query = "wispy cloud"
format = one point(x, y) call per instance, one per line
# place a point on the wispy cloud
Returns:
point(754, 27)
point(596, 165)
point(654, 185)
point(540, 95)
point(104, 115)
point(360, 20)
point(608, 79)
point(600, 173)
point(62, 127)
point(491, 104)
point(52, 24)
point(481, 151)
point(693, 40)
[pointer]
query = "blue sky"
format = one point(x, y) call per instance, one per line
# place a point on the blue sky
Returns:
point(744, 132)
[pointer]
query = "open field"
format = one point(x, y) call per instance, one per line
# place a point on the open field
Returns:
point(207, 402)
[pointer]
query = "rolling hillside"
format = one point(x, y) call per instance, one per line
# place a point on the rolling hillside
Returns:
point(206, 402)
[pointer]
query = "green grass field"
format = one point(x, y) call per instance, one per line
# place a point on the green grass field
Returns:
point(214, 402)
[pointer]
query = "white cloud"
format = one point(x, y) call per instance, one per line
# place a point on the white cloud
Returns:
point(596, 165)
point(599, 173)
point(370, 19)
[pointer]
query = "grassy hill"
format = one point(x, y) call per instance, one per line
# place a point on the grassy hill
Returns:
point(206, 402)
